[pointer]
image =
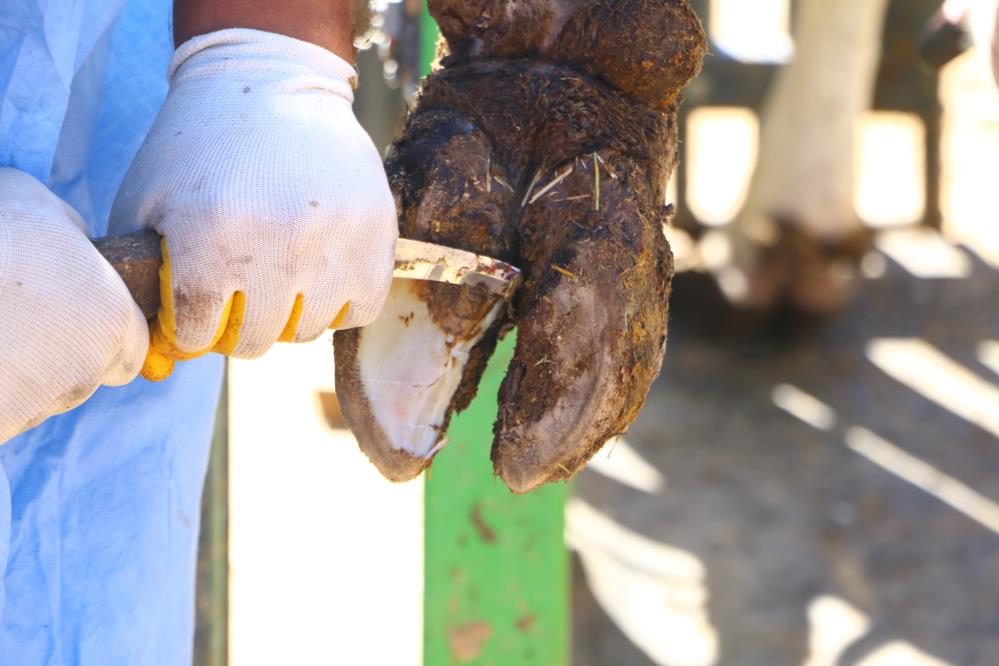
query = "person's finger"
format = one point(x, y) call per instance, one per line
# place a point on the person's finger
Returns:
point(266, 313)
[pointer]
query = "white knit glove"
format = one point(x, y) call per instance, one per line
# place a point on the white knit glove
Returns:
point(67, 322)
point(276, 214)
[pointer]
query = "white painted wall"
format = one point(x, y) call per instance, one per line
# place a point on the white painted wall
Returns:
point(326, 556)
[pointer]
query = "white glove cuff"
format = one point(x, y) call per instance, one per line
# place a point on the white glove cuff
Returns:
point(267, 52)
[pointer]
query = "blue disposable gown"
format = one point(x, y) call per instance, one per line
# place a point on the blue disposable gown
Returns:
point(99, 507)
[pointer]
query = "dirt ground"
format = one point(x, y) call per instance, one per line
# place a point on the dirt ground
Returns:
point(870, 533)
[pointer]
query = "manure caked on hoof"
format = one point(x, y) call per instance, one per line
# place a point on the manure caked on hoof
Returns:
point(592, 317)
point(556, 161)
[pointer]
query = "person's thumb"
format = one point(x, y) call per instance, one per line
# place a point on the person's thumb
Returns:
point(134, 346)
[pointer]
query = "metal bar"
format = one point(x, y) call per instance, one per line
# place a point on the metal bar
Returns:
point(428, 40)
point(211, 634)
point(905, 84)
point(496, 567)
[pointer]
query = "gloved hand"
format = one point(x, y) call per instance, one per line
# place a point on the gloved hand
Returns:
point(67, 322)
point(276, 215)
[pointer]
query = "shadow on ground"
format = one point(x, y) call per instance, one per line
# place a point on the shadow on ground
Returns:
point(890, 508)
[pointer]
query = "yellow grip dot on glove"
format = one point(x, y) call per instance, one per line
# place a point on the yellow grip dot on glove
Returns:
point(164, 352)
point(288, 334)
point(163, 349)
point(341, 316)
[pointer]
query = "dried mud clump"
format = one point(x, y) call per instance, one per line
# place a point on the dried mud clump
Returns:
point(546, 139)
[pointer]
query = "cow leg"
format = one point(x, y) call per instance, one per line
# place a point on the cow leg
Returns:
point(799, 222)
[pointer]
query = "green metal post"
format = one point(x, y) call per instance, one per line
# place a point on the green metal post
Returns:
point(496, 573)
point(428, 40)
point(211, 633)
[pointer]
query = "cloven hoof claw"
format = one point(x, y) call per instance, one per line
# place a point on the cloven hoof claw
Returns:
point(548, 146)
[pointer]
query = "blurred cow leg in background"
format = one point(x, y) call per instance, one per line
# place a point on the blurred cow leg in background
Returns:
point(798, 234)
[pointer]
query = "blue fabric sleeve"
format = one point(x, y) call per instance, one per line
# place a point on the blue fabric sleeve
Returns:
point(99, 507)
point(104, 525)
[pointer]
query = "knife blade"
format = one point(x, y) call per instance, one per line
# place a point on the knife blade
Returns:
point(137, 258)
point(417, 260)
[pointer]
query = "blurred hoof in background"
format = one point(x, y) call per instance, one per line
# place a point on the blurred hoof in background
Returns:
point(779, 268)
